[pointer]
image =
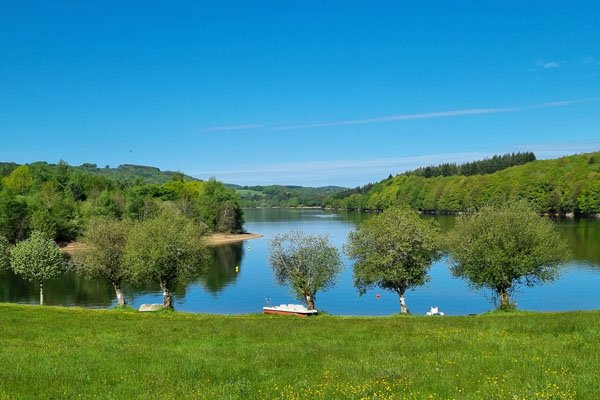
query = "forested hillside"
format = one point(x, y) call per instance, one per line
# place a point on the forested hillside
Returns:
point(480, 167)
point(285, 196)
point(60, 199)
point(565, 185)
point(127, 173)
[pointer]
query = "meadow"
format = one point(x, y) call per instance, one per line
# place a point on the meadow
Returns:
point(57, 353)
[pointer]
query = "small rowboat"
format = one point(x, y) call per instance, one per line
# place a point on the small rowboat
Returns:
point(290, 309)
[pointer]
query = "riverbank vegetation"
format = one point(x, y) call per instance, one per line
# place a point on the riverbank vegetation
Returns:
point(284, 196)
point(75, 353)
point(560, 186)
point(59, 199)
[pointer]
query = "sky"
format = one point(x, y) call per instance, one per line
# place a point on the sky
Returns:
point(308, 92)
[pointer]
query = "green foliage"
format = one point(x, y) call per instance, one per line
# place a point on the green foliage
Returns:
point(565, 185)
point(59, 199)
point(54, 212)
point(14, 224)
point(393, 251)
point(103, 251)
point(7, 168)
point(19, 181)
point(219, 207)
point(285, 196)
point(37, 258)
point(503, 247)
point(307, 263)
point(4, 253)
point(166, 249)
point(481, 167)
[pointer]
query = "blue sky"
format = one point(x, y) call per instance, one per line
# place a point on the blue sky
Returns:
point(296, 92)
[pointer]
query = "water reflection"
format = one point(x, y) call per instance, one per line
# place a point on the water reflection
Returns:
point(583, 236)
point(224, 268)
point(71, 289)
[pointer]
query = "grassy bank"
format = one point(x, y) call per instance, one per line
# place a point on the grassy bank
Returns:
point(75, 353)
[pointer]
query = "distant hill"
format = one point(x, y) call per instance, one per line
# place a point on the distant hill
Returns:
point(565, 185)
point(285, 196)
point(480, 167)
point(123, 173)
point(251, 196)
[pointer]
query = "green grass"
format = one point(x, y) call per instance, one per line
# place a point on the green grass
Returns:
point(58, 353)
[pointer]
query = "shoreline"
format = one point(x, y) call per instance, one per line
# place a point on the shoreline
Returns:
point(215, 239)
point(219, 239)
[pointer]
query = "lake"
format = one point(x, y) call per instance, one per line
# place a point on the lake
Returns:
point(225, 289)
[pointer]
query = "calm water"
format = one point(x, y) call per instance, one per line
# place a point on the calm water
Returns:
point(222, 290)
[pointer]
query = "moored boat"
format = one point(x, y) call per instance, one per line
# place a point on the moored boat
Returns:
point(290, 309)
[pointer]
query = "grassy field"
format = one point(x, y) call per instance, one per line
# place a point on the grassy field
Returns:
point(58, 353)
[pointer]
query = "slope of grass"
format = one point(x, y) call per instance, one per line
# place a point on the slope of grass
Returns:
point(75, 353)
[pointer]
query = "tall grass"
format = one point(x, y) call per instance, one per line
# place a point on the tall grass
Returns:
point(59, 353)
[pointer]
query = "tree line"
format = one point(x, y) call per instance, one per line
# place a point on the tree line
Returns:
point(167, 248)
point(59, 200)
point(480, 167)
point(565, 185)
point(285, 196)
point(499, 248)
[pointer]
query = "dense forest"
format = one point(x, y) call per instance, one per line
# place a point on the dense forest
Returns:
point(285, 196)
point(565, 185)
point(59, 199)
point(480, 167)
point(126, 173)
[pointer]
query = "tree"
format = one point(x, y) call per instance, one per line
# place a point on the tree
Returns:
point(103, 252)
point(219, 207)
point(19, 181)
point(308, 263)
point(166, 249)
point(393, 251)
point(37, 258)
point(13, 217)
point(503, 247)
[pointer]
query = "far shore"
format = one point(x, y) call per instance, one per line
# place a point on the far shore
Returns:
point(216, 239)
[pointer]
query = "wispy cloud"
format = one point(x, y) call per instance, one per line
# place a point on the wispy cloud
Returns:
point(390, 118)
point(359, 172)
point(589, 60)
point(232, 127)
point(551, 64)
point(346, 172)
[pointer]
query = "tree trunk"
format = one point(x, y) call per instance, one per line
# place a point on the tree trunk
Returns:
point(310, 302)
point(504, 299)
point(403, 308)
point(120, 296)
point(41, 293)
point(167, 296)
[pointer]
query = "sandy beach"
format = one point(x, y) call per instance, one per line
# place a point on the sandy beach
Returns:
point(216, 239)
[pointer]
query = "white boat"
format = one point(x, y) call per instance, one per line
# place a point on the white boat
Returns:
point(435, 311)
point(290, 309)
